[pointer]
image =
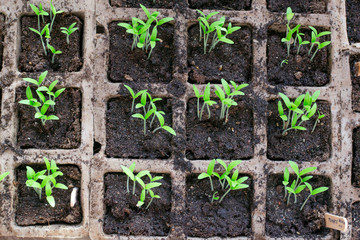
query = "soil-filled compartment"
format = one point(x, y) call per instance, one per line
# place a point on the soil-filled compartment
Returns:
point(64, 133)
point(296, 144)
point(125, 134)
point(353, 20)
point(30, 210)
point(2, 28)
point(123, 217)
point(356, 220)
point(284, 220)
point(228, 61)
point(355, 81)
point(300, 70)
point(32, 55)
point(220, 4)
point(230, 218)
point(146, 3)
point(127, 65)
point(355, 179)
point(305, 6)
point(211, 138)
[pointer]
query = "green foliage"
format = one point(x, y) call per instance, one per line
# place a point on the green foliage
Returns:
point(314, 40)
point(47, 178)
point(320, 116)
point(296, 112)
point(43, 105)
point(233, 183)
point(285, 61)
point(143, 36)
point(146, 188)
point(2, 176)
point(69, 31)
point(147, 104)
point(54, 52)
point(220, 32)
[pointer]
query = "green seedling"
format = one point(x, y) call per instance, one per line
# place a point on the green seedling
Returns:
point(2, 176)
point(226, 97)
point(289, 37)
point(314, 37)
point(209, 173)
point(313, 192)
point(285, 61)
point(206, 100)
point(48, 181)
point(54, 52)
point(214, 197)
point(234, 183)
point(286, 180)
point(69, 31)
point(295, 112)
point(301, 42)
point(53, 13)
point(222, 177)
point(143, 36)
point(289, 17)
point(160, 117)
point(320, 46)
point(134, 96)
point(147, 188)
point(39, 12)
point(49, 91)
point(146, 114)
point(41, 33)
point(320, 116)
point(135, 178)
point(220, 33)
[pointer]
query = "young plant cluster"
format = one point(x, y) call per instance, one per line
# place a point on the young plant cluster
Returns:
point(226, 97)
point(296, 112)
point(227, 183)
point(146, 188)
point(47, 178)
point(46, 31)
point(301, 183)
point(294, 35)
point(2, 176)
point(150, 111)
point(145, 33)
point(43, 105)
point(216, 29)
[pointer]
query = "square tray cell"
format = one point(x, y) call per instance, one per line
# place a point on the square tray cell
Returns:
point(305, 6)
point(146, 3)
point(123, 217)
point(211, 138)
point(230, 218)
point(32, 211)
point(299, 145)
point(353, 20)
point(32, 57)
point(355, 80)
point(284, 220)
point(128, 65)
point(125, 134)
point(228, 61)
point(220, 4)
point(64, 133)
point(300, 70)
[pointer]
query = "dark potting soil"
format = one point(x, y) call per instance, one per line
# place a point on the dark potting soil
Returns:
point(306, 6)
point(299, 71)
point(124, 218)
point(210, 138)
point(146, 3)
point(64, 133)
point(32, 57)
point(220, 4)
point(287, 220)
point(32, 211)
point(125, 134)
point(231, 218)
point(299, 145)
point(228, 61)
point(128, 65)
point(2, 28)
point(353, 20)
point(356, 158)
point(355, 97)
point(356, 220)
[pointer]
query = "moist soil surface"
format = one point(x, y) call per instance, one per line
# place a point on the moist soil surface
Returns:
point(128, 65)
point(64, 133)
point(32, 211)
point(299, 145)
point(124, 218)
point(2, 27)
point(356, 158)
point(287, 220)
point(32, 56)
point(210, 138)
point(299, 71)
point(356, 220)
point(220, 4)
point(230, 218)
point(355, 70)
point(228, 61)
point(353, 20)
point(146, 3)
point(125, 134)
point(305, 6)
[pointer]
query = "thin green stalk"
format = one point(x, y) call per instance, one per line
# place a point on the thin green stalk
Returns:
point(134, 186)
point(312, 45)
point(227, 114)
point(314, 54)
point(53, 59)
point(302, 206)
point(38, 191)
point(288, 200)
point(207, 106)
point(127, 185)
point(202, 110)
point(315, 125)
point(132, 105)
point(224, 195)
point(145, 127)
point(285, 192)
point(198, 107)
point(68, 39)
point(152, 120)
point(149, 203)
point(212, 186)
point(288, 48)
